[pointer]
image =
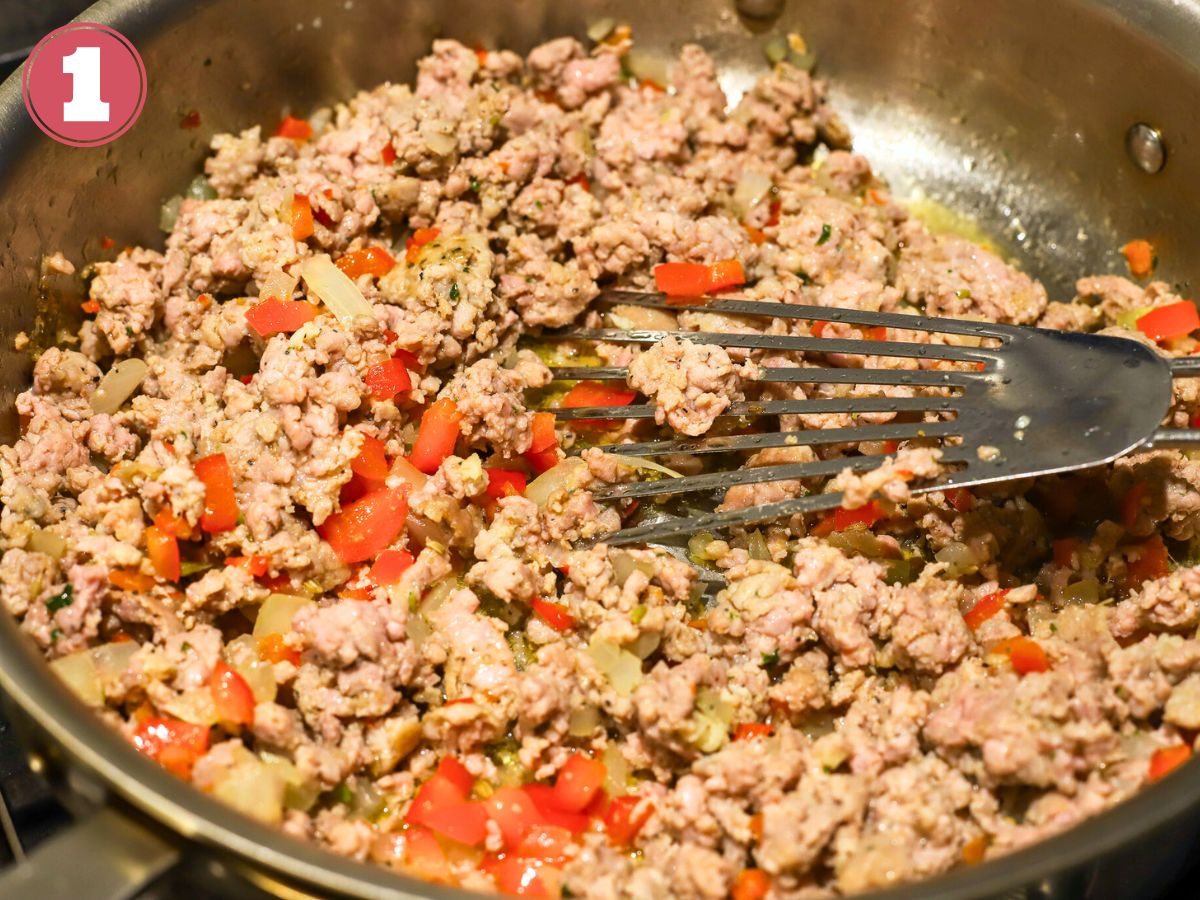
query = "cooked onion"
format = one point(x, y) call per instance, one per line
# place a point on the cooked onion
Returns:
point(43, 541)
point(616, 778)
point(276, 614)
point(298, 792)
point(259, 674)
point(622, 669)
point(438, 136)
point(279, 284)
point(112, 660)
point(567, 475)
point(601, 28)
point(1085, 591)
point(332, 286)
point(638, 462)
point(751, 188)
point(118, 385)
point(199, 189)
point(625, 565)
point(252, 787)
point(78, 671)
point(195, 706)
point(633, 317)
point(959, 558)
point(757, 546)
point(647, 642)
point(408, 473)
point(583, 721)
point(168, 214)
point(649, 67)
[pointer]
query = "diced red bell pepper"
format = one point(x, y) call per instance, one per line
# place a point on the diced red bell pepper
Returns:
point(514, 812)
point(548, 843)
point(1170, 321)
point(163, 550)
point(371, 462)
point(302, 218)
point(273, 649)
point(373, 261)
point(256, 565)
point(419, 239)
point(505, 483)
point(1064, 551)
point(1131, 504)
point(463, 821)
point(424, 856)
point(523, 877)
point(388, 153)
point(1150, 561)
point(410, 360)
point(232, 697)
point(1026, 655)
point(553, 614)
point(456, 773)
point(746, 730)
point(773, 211)
point(128, 580)
point(681, 279)
point(275, 316)
point(389, 566)
point(750, 884)
point(985, 607)
point(594, 393)
point(437, 436)
point(549, 812)
point(296, 129)
point(387, 379)
point(841, 519)
point(625, 817)
point(577, 782)
point(1139, 256)
point(960, 498)
point(367, 526)
point(220, 502)
point(543, 447)
point(436, 793)
point(1166, 760)
point(172, 743)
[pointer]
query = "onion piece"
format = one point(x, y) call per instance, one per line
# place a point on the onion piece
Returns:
point(959, 559)
point(1085, 591)
point(252, 787)
point(638, 462)
point(200, 189)
point(569, 474)
point(622, 669)
point(625, 565)
point(616, 778)
point(408, 474)
point(195, 706)
point(279, 284)
point(649, 67)
point(112, 660)
point(243, 656)
point(751, 188)
point(438, 136)
point(334, 288)
point(168, 214)
point(583, 721)
point(118, 385)
point(647, 642)
point(47, 542)
point(601, 28)
point(78, 672)
point(299, 793)
point(633, 317)
point(276, 614)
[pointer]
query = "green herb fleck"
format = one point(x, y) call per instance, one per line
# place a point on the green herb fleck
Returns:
point(454, 291)
point(537, 203)
point(343, 794)
point(186, 647)
point(62, 599)
point(475, 185)
point(770, 659)
point(55, 634)
point(963, 294)
point(826, 234)
point(128, 331)
point(638, 613)
point(191, 567)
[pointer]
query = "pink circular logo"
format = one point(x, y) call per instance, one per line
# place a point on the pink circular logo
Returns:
point(84, 84)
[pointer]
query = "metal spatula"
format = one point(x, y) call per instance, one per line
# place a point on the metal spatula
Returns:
point(1029, 402)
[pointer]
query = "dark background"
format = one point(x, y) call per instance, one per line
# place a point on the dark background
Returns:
point(35, 812)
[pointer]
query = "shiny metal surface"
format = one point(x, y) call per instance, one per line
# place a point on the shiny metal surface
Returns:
point(1015, 113)
point(1040, 403)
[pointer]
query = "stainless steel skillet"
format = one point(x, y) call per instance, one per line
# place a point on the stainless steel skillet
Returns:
point(1017, 112)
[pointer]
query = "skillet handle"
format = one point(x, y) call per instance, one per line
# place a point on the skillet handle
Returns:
point(107, 856)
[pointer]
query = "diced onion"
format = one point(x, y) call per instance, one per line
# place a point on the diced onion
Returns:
point(334, 288)
point(199, 189)
point(757, 546)
point(622, 669)
point(298, 792)
point(583, 721)
point(1085, 591)
point(195, 706)
point(647, 642)
point(112, 660)
point(47, 542)
point(697, 546)
point(251, 787)
point(438, 136)
point(168, 214)
point(625, 565)
point(279, 284)
point(567, 475)
point(118, 385)
point(959, 559)
point(601, 28)
point(751, 188)
point(78, 671)
point(638, 462)
point(276, 614)
point(243, 656)
point(407, 473)
point(649, 67)
point(635, 317)
point(616, 778)
point(708, 728)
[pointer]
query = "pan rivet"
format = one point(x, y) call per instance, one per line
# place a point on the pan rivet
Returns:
point(1146, 148)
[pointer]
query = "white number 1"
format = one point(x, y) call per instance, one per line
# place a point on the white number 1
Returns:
point(85, 105)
